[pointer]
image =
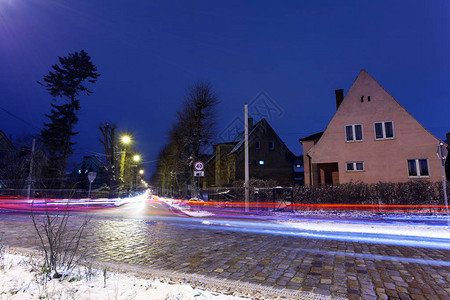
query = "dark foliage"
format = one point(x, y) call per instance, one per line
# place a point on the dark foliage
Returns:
point(67, 80)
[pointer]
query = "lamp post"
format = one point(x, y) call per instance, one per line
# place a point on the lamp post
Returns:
point(136, 159)
point(125, 140)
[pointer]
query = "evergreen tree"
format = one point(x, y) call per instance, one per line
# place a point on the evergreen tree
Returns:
point(67, 81)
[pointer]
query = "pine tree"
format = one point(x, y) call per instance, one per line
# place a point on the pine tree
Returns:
point(66, 81)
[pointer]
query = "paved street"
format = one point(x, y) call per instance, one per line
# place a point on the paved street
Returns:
point(188, 250)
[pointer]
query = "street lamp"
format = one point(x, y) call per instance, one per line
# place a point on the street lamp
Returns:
point(136, 159)
point(125, 139)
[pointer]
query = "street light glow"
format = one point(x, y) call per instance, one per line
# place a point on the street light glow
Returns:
point(137, 157)
point(141, 172)
point(126, 139)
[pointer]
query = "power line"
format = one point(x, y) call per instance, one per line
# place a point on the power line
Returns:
point(19, 118)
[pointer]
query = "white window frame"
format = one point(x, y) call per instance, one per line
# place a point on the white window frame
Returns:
point(383, 128)
point(417, 161)
point(354, 133)
point(354, 166)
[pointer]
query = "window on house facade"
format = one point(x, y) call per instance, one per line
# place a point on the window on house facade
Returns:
point(384, 130)
point(418, 168)
point(355, 166)
point(257, 146)
point(271, 146)
point(353, 133)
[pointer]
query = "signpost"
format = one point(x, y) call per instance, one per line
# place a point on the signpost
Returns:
point(91, 177)
point(198, 172)
point(442, 153)
point(198, 169)
point(199, 166)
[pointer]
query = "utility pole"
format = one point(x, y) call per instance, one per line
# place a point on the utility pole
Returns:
point(30, 174)
point(442, 154)
point(246, 184)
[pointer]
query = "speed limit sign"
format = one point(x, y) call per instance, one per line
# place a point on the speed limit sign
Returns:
point(199, 166)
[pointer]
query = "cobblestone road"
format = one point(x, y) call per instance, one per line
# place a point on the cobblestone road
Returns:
point(325, 267)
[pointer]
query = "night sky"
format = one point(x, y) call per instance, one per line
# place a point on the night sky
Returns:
point(283, 58)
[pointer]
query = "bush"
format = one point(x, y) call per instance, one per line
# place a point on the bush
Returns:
point(382, 193)
point(59, 243)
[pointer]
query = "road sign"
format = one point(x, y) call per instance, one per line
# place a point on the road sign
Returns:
point(199, 173)
point(91, 176)
point(199, 166)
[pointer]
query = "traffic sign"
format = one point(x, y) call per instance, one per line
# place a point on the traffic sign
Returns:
point(199, 173)
point(91, 176)
point(199, 166)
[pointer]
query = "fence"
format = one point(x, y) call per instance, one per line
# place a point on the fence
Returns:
point(410, 195)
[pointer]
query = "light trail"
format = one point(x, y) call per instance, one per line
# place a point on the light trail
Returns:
point(220, 205)
point(364, 237)
point(57, 205)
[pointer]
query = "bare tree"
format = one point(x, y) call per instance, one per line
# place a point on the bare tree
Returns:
point(193, 130)
point(109, 143)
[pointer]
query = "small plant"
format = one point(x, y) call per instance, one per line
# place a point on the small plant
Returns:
point(2, 253)
point(2, 247)
point(104, 277)
point(59, 243)
point(88, 271)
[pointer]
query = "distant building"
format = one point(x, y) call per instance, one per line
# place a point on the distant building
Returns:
point(371, 138)
point(269, 157)
point(79, 175)
point(299, 171)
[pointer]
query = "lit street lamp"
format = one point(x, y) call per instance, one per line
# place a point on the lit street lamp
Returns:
point(126, 139)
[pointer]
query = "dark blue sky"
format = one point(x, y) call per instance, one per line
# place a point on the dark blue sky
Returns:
point(149, 52)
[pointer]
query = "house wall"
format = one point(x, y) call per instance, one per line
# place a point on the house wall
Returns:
point(307, 145)
point(278, 163)
point(222, 172)
point(384, 160)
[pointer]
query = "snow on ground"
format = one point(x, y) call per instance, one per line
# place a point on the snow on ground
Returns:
point(401, 229)
point(186, 209)
point(19, 281)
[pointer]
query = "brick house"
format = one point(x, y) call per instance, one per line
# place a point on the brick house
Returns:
point(371, 138)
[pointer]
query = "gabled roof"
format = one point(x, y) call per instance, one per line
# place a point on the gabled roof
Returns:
point(91, 161)
point(241, 138)
point(312, 137)
point(354, 103)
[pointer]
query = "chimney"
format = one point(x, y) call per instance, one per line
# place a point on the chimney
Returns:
point(339, 97)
